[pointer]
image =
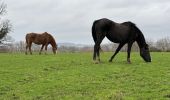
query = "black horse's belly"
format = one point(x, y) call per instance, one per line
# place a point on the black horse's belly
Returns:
point(118, 34)
point(116, 38)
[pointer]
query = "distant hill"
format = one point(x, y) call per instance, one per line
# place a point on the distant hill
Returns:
point(67, 44)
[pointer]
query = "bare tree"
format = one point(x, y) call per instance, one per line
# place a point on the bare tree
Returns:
point(163, 44)
point(5, 25)
point(2, 8)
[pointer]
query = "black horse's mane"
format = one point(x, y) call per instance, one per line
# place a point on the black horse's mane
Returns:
point(140, 37)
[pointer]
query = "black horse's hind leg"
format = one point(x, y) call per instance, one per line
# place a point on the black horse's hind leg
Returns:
point(117, 50)
point(41, 49)
point(96, 51)
point(100, 37)
point(128, 51)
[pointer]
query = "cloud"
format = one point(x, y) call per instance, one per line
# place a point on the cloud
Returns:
point(71, 20)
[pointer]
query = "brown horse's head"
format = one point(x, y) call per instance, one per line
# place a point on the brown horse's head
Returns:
point(53, 44)
point(55, 49)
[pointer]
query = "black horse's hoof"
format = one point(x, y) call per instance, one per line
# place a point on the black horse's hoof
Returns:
point(96, 62)
point(110, 61)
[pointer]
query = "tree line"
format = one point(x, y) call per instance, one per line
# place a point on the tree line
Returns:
point(161, 45)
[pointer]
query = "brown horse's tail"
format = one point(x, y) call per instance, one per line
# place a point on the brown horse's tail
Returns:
point(94, 32)
point(26, 38)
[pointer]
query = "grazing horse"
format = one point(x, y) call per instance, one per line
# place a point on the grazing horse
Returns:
point(41, 39)
point(121, 33)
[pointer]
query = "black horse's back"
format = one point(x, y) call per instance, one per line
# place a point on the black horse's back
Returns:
point(101, 26)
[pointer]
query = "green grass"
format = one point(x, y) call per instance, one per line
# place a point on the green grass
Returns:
point(74, 76)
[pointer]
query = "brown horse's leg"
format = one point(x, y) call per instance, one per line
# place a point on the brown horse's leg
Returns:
point(128, 52)
point(30, 44)
point(26, 49)
point(41, 49)
point(117, 50)
point(46, 48)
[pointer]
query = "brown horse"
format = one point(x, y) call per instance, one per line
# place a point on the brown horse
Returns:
point(41, 39)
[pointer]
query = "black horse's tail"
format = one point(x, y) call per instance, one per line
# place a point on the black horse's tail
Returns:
point(94, 34)
point(94, 31)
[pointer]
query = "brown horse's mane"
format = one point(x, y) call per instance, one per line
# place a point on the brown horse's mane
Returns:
point(53, 43)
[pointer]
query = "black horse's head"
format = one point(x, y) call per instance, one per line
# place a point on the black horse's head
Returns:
point(145, 54)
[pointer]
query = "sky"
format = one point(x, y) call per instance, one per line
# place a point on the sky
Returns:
point(71, 20)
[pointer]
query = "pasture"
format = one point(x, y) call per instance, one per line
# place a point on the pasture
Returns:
point(74, 76)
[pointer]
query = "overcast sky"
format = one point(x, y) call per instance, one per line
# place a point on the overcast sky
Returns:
point(71, 20)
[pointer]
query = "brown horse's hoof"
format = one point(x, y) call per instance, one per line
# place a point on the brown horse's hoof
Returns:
point(129, 62)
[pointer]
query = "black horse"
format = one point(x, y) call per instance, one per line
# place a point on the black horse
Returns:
point(121, 33)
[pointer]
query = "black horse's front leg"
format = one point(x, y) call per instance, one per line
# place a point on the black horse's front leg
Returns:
point(117, 50)
point(128, 52)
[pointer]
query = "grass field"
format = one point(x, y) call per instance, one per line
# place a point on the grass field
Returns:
point(74, 76)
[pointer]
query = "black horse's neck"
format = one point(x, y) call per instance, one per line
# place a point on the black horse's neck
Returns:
point(140, 37)
point(141, 40)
